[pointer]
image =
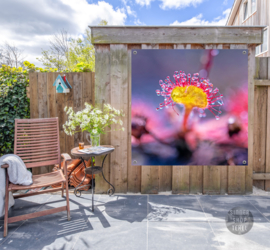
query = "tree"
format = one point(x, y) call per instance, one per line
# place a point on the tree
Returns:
point(57, 54)
point(11, 56)
point(69, 54)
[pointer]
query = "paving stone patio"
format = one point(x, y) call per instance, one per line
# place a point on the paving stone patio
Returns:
point(137, 222)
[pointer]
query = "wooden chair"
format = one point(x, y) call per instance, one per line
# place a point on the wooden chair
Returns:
point(36, 141)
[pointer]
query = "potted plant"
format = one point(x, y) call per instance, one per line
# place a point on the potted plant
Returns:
point(92, 120)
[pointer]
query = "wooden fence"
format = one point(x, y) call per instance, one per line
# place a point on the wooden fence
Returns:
point(113, 47)
point(261, 152)
point(45, 102)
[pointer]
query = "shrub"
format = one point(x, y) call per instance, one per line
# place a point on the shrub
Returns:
point(14, 103)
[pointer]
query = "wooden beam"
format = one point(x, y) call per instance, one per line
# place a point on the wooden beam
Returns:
point(262, 82)
point(176, 35)
point(261, 176)
point(251, 74)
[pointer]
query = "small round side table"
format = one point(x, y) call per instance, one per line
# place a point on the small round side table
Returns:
point(93, 170)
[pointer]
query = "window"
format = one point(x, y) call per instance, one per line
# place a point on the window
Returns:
point(245, 9)
point(264, 46)
point(253, 6)
point(265, 40)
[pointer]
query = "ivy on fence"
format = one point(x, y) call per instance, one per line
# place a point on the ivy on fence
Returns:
point(14, 103)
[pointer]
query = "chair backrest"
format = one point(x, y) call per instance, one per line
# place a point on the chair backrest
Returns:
point(36, 141)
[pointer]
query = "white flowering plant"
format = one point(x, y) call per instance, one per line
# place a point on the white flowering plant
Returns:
point(92, 119)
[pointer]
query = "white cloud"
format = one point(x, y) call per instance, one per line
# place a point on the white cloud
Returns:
point(198, 20)
point(138, 22)
point(29, 24)
point(178, 4)
point(225, 2)
point(130, 11)
point(144, 2)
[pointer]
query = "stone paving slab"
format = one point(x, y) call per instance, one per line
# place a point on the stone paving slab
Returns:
point(137, 222)
point(181, 235)
point(216, 207)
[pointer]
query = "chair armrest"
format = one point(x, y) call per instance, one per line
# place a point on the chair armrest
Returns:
point(5, 166)
point(66, 157)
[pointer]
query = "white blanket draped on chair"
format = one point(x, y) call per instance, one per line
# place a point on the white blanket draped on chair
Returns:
point(18, 174)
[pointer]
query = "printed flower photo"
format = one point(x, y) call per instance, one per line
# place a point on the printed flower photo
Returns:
point(189, 107)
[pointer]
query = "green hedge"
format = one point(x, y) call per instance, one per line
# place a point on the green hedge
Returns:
point(13, 104)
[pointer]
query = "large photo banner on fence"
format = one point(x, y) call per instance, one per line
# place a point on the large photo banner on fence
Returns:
point(189, 107)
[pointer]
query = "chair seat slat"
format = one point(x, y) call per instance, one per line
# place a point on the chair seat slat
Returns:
point(30, 153)
point(41, 159)
point(41, 163)
point(36, 157)
point(42, 180)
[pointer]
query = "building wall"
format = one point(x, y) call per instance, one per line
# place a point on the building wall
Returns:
point(260, 17)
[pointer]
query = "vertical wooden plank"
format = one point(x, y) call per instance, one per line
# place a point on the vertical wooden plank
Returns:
point(211, 179)
point(60, 99)
point(69, 102)
point(165, 172)
point(78, 105)
point(251, 73)
point(165, 178)
point(102, 95)
point(225, 46)
point(50, 101)
point(195, 179)
point(87, 90)
point(42, 107)
point(180, 179)
point(197, 46)
point(119, 100)
point(150, 180)
point(51, 95)
point(195, 172)
point(134, 172)
point(236, 180)
point(42, 95)
point(267, 164)
point(223, 179)
point(213, 46)
point(150, 184)
point(238, 46)
point(33, 83)
point(211, 174)
point(179, 46)
point(260, 120)
point(166, 46)
point(240, 177)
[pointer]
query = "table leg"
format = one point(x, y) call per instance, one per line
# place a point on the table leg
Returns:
point(92, 163)
point(77, 190)
point(110, 189)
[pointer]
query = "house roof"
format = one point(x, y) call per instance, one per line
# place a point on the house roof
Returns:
point(233, 12)
point(66, 84)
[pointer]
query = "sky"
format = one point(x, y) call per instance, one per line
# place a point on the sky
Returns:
point(30, 24)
